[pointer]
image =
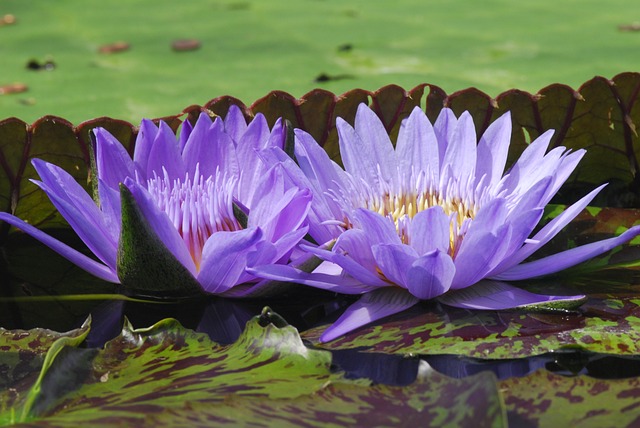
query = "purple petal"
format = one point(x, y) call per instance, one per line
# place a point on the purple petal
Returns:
point(380, 229)
point(111, 209)
point(315, 163)
point(431, 275)
point(493, 149)
point(429, 230)
point(336, 283)
point(479, 256)
point(285, 244)
point(210, 148)
point(461, 150)
point(185, 132)
point(528, 160)
point(376, 141)
point(162, 226)
point(252, 166)
point(394, 261)
point(235, 124)
point(77, 207)
point(371, 307)
point(93, 267)
point(112, 160)
point(165, 154)
point(444, 127)
point(355, 243)
point(144, 142)
point(357, 157)
point(566, 259)
point(224, 258)
point(278, 211)
point(549, 231)
point(417, 145)
point(350, 266)
point(567, 165)
point(198, 147)
point(494, 295)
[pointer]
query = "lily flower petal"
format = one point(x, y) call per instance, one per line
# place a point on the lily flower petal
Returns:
point(371, 307)
point(566, 259)
point(495, 295)
point(437, 213)
point(224, 258)
point(74, 256)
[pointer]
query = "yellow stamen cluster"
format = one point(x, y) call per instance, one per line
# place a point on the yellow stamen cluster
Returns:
point(401, 207)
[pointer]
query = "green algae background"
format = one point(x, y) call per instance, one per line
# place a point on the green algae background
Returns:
point(249, 48)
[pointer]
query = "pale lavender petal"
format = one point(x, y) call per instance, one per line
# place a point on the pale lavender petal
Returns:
point(521, 228)
point(380, 229)
point(567, 165)
point(429, 230)
point(144, 142)
point(489, 219)
point(350, 266)
point(356, 244)
point(277, 137)
point(528, 160)
point(417, 146)
point(566, 259)
point(394, 261)
point(253, 168)
point(315, 163)
point(322, 208)
point(493, 149)
point(376, 141)
point(550, 230)
point(279, 211)
point(431, 275)
point(371, 307)
point(533, 198)
point(162, 226)
point(93, 267)
point(461, 151)
point(112, 160)
point(444, 128)
point(285, 245)
point(336, 283)
point(224, 258)
point(235, 124)
point(494, 295)
point(479, 256)
point(357, 158)
point(165, 154)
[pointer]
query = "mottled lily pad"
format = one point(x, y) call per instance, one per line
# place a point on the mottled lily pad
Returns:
point(548, 400)
point(170, 375)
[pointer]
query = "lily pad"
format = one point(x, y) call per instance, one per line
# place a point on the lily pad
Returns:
point(543, 399)
point(608, 323)
point(168, 375)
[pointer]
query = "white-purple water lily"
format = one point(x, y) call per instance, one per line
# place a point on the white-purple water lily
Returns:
point(432, 216)
point(186, 190)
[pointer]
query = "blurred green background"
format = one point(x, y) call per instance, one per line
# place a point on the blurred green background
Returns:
point(250, 47)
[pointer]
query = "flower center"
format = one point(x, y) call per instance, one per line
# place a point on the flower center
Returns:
point(197, 207)
point(415, 195)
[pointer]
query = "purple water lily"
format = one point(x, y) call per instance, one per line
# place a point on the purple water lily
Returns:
point(180, 205)
point(432, 216)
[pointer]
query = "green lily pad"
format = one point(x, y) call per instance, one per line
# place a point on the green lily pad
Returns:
point(169, 375)
point(547, 399)
point(608, 323)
